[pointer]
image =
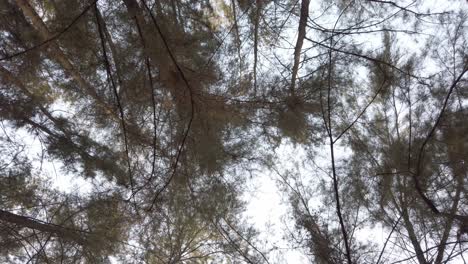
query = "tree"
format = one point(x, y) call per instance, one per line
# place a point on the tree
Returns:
point(165, 111)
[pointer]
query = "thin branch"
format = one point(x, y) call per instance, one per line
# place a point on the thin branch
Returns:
point(429, 249)
point(365, 57)
point(405, 8)
point(153, 102)
point(362, 112)
point(234, 26)
point(116, 94)
point(416, 175)
point(247, 241)
point(192, 105)
point(226, 236)
point(388, 239)
point(332, 151)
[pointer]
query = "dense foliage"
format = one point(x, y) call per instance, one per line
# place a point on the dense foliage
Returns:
point(132, 129)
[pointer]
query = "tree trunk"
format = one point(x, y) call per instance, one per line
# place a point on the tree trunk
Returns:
point(300, 41)
point(257, 19)
point(409, 227)
point(56, 230)
point(449, 223)
point(57, 53)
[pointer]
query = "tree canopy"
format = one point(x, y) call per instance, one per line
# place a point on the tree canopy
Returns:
point(131, 130)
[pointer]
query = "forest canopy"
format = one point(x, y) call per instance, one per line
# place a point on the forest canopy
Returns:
point(132, 131)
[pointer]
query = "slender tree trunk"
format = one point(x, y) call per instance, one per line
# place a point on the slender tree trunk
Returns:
point(449, 222)
point(328, 125)
point(412, 236)
point(57, 53)
point(175, 13)
point(114, 51)
point(402, 203)
point(56, 230)
point(238, 42)
point(300, 41)
point(257, 19)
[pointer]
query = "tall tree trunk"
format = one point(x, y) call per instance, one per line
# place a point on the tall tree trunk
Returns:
point(56, 230)
point(300, 41)
point(238, 41)
point(449, 223)
point(412, 236)
point(403, 205)
point(114, 51)
point(257, 19)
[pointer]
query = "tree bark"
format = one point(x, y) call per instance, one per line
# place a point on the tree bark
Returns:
point(450, 220)
point(258, 6)
point(56, 230)
point(300, 41)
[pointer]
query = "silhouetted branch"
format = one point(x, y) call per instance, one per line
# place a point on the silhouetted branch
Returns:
point(247, 241)
point(29, 222)
point(116, 94)
point(404, 8)
point(429, 249)
point(153, 102)
point(388, 238)
point(192, 105)
point(332, 150)
point(361, 113)
point(416, 175)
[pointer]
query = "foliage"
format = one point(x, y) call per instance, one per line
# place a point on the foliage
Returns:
point(163, 113)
